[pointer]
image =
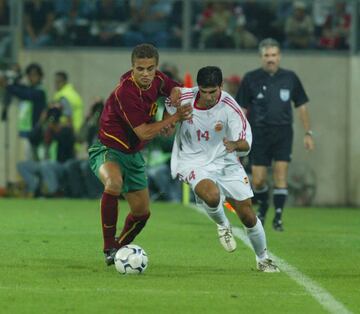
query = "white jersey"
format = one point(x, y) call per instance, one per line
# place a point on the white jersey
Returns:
point(199, 141)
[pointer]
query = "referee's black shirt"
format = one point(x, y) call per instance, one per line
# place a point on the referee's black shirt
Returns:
point(268, 97)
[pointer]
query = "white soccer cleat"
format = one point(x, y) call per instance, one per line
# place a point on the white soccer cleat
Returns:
point(226, 238)
point(267, 266)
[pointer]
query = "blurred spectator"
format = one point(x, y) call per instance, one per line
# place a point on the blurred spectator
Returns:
point(82, 181)
point(70, 99)
point(282, 11)
point(4, 13)
point(335, 33)
point(215, 26)
point(175, 21)
point(243, 39)
point(320, 11)
point(31, 105)
point(5, 38)
point(171, 70)
point(299, 28)
point(72, 22)
point(232, 84)
point(111, 22)
point(47, 173)
point(53, 171)
point(260, 18)
point(39, 17)
point(149, 23)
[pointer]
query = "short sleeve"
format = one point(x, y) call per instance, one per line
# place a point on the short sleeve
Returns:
point(299, 96)
point(239, 127)
point(243, 96)
point(167, 84)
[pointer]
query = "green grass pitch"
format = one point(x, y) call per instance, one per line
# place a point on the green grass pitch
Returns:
point(51, 262)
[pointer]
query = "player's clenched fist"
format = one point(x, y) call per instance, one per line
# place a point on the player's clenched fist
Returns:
point(184, 112)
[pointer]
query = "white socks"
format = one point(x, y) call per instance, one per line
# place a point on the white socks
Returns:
point(257, 238)
point(217, 214)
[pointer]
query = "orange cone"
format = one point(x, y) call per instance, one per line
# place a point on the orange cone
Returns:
point(229, 207)
point(188, 81)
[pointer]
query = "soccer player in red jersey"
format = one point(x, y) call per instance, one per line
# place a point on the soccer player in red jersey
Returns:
point(126, 125)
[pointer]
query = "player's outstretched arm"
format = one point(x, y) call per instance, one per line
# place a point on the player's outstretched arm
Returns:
point(148, 131)
point(175, 96)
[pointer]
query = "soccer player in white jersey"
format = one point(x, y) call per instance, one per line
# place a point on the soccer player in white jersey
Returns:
point(206, 155)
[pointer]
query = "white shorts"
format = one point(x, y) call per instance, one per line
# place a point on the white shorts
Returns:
point(231, 180)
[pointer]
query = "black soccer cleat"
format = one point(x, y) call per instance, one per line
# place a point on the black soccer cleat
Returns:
point(110, 256)
point(278, 225)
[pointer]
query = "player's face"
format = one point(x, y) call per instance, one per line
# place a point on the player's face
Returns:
point(270, 57)
point(209, 96)
point(58, 82)
point(34, 78)
point(144, 71)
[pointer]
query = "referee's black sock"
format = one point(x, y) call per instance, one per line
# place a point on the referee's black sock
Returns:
point(279, 196)
point(262, 198)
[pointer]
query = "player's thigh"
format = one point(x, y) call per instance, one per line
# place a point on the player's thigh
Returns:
point(261, 148)
point(139, 201)
point(110, 175)
point(283, 141)
point(202, 182)
point(235, 186)
point(244, 211)
point(104, 163)
point(134, 173)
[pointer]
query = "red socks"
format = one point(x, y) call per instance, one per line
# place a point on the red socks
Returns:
point(109, 215)
point(132, 227)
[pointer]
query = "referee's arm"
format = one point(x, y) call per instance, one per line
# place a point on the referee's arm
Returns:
point(305, 121)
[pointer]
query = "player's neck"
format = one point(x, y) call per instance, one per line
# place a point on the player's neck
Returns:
point(271, 73)
point(141, 87)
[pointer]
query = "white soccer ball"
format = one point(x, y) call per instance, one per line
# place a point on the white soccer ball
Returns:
point(131, 259)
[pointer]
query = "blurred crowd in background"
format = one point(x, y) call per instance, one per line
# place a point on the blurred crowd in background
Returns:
point(56, 130)
point(241, 24)
point(55, 133)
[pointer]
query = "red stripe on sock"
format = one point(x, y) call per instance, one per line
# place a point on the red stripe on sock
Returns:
point(132, 227)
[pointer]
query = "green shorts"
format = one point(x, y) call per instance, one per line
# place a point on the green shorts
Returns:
point(132, 166)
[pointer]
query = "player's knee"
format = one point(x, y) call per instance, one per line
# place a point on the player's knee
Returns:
point(249, 219)
point(258, 183)
point(113, 184)
point(212, 199)
point(246, 214)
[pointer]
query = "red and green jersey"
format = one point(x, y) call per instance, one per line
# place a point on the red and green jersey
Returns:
point(129, 106)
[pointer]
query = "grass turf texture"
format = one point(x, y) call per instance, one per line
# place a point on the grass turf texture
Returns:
point(51, 262)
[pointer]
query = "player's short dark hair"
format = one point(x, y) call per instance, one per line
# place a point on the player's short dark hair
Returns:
point(63, 75)
point(268, 43)
point(34, 67)
point(209, 76)
point(144, 51)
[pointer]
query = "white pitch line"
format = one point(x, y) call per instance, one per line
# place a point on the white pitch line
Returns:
point(315, 290)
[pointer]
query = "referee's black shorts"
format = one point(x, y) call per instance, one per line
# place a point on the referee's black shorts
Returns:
point(271, 143)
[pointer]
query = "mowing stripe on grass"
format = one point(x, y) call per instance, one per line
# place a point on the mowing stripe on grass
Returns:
point(316, 291)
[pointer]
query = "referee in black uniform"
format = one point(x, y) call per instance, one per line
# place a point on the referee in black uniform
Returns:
point(266, 95)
